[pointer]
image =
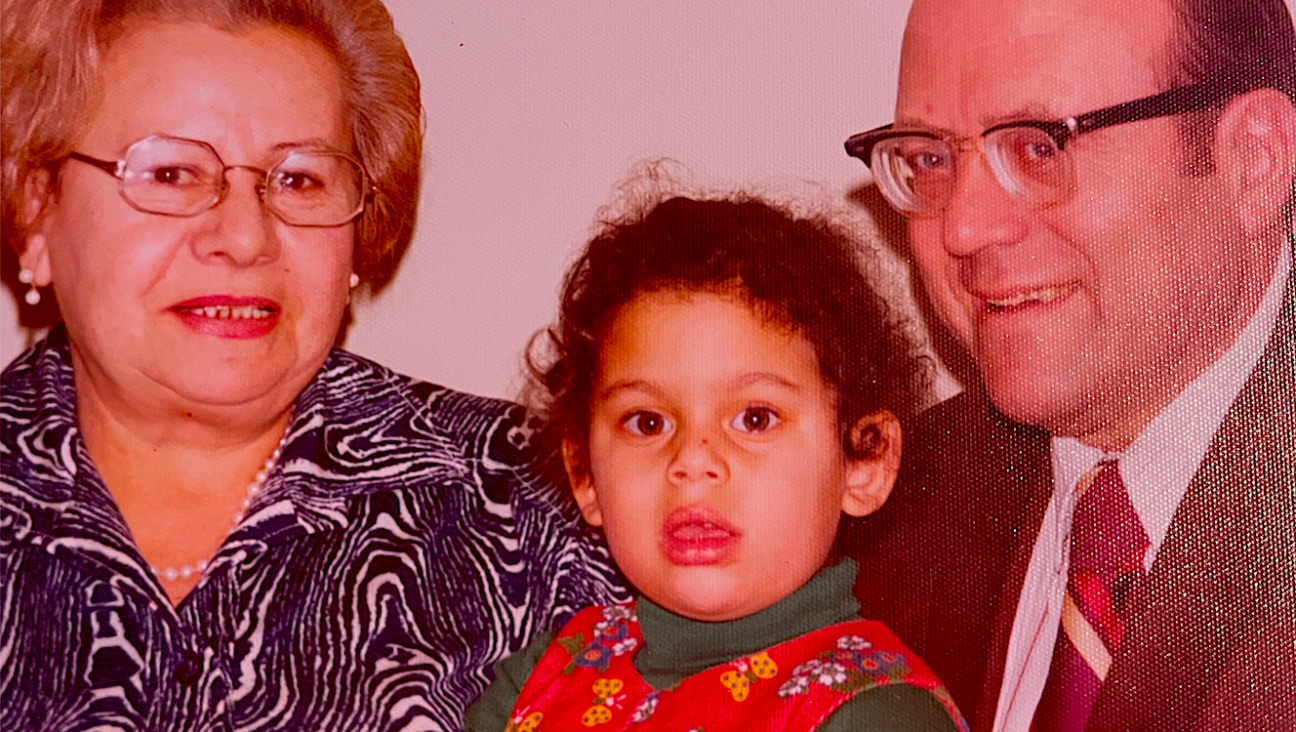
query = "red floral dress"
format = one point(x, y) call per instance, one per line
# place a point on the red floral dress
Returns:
point(586, 678)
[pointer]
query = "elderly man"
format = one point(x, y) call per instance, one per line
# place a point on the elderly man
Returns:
point(1102, 535)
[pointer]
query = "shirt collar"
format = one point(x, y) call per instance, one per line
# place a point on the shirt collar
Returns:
point(1159, 464)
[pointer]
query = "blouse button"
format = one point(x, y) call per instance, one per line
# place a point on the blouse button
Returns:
point(189, 669)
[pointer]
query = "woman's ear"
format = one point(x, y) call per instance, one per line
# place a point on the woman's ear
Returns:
point(582, 483)
point(869, 479)
point(34, 256)
point(1255, 148)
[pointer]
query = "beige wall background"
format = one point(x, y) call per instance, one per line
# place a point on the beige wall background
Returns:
point(537, 108)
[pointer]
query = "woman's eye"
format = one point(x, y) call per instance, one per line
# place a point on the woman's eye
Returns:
point(295, 181)
point(173, 175)
point(756, 419)
point(646, 424)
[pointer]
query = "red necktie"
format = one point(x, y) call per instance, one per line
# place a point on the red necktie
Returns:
point(1106, 572)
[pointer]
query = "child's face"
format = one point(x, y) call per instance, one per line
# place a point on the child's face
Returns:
point(715, 464)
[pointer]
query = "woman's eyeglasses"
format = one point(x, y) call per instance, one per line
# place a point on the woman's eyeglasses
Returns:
point(174, 176)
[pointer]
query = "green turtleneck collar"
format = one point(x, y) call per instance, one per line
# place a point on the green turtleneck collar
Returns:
point(676, 647)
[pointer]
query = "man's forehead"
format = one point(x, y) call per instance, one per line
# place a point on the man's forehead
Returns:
point(954, 20)
point(978, 62)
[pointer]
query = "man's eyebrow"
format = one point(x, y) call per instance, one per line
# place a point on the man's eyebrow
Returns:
point(1033, 112)
point(903, 123)
point(1027, 113)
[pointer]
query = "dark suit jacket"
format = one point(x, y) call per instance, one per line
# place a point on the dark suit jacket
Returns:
point(1212, 643)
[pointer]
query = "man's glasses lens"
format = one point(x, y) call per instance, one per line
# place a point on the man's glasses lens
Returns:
point(184, 178)
point(917, 172)
point(1029, 164)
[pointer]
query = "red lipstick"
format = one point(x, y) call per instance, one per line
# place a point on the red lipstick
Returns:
point(228, 316)
point(696, 535)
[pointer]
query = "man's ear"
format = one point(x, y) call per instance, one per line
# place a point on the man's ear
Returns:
point(869, 479)
point(34, 256)
point(582, 483)
point(1255, 149)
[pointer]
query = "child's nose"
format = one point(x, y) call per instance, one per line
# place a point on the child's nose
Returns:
point(697, 460)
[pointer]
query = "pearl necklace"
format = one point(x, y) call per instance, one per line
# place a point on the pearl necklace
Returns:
point(171, 574)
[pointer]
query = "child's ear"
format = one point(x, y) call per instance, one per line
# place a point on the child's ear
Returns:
point(582, 483)
point(869, 479)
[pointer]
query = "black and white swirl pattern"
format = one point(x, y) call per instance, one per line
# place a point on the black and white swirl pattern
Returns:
point(406, 541)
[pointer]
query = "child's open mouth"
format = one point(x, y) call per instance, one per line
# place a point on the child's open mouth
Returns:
point(698, 535)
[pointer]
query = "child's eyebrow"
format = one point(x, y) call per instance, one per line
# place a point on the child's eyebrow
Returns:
point(762, 377)
point(750, 378)
point(626, 385)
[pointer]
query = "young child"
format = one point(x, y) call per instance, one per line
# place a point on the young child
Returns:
point(725, 383)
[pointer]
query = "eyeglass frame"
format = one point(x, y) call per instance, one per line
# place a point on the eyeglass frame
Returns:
point(1178, 100)
point(117, 169)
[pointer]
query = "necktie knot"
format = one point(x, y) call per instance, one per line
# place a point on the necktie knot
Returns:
point(1107, 536)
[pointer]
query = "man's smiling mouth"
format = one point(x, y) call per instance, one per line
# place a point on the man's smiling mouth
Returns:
point(1040, 296)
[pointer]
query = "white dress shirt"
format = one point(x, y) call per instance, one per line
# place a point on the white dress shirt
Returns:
point(1156, 469)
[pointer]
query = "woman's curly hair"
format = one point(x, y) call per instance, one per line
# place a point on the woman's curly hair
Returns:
point(803, 272)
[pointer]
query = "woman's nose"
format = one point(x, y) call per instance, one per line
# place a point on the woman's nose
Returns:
point(242, 229)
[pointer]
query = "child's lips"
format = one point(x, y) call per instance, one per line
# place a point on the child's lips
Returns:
point(698, 535)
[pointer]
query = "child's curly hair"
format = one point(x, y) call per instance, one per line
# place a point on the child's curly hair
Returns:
point(802, 272)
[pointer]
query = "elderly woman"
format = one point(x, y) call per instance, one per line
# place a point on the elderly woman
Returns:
point(209, 518)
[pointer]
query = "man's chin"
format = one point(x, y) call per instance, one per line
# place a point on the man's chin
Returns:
point(1044, 403)
point(1064, 414)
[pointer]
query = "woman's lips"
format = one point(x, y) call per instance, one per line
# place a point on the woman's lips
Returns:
point(228, 316)
point(698, 535)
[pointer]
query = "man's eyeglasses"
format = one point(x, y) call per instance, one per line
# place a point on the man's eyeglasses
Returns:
point(917, 170)
point(174, 176)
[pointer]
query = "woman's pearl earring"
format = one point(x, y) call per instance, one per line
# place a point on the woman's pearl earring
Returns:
point(27, 277)
point(355, 282)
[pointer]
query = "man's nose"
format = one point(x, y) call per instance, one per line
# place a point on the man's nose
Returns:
point(980, 212)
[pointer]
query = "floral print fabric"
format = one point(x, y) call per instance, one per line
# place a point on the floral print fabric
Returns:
point(587, 680)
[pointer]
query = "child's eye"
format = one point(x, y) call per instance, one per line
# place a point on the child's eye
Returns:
point(646, 424)
point(755, 419)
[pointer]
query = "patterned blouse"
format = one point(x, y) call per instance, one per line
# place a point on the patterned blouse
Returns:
point(403, 544)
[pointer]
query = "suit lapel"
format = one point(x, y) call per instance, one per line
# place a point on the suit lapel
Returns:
point(1227, 559)
point(984, 714)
